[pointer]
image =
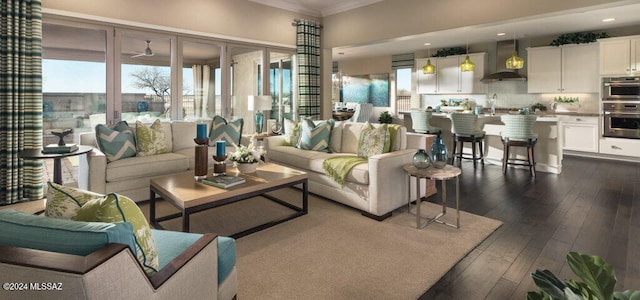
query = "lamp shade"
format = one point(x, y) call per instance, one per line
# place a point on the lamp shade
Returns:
point(259, 103)
point(428, 68)
point(467, 65)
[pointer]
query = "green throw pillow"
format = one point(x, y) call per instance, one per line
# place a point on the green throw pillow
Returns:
point(373, 141)
point(150, 140)
point(292, 132)
point(315, 137)
point(63, 202)
point(117, 142)
point(114, 208)
point(231, 132)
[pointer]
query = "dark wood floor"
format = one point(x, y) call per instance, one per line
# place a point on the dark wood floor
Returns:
point(593, 207)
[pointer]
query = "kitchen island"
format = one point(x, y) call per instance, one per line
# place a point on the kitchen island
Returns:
point(548, 149)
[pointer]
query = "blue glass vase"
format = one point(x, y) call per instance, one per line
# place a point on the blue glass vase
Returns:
point(421, 159)
point(439, 154)
point(259, 121)
point(142, 106)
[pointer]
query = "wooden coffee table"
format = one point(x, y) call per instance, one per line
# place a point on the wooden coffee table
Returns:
point(190, 196)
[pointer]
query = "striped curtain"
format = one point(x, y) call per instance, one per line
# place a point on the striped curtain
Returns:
point(20, 99)
point(308, 44)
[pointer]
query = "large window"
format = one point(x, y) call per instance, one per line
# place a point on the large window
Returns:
point(403, 89)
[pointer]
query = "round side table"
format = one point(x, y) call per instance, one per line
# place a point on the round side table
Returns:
point(57, 158)
point(431, 173)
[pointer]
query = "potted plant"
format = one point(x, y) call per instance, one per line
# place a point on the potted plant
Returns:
point(246, 158)
point(598, 281)
point(385, 118)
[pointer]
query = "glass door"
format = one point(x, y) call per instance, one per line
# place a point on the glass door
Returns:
point(244, 70)
point(201, 80)
point(281, 85)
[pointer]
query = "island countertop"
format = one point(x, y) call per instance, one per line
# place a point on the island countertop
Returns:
point(548, 150)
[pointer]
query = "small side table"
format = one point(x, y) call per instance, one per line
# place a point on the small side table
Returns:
point(431, 173)
point(57, 158)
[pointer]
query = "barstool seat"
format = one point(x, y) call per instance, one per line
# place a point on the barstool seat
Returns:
point(518, 132)
point(464, 129)
point(420, 122)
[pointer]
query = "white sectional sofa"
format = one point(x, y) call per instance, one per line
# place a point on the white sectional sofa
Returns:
point(130, 176)
point(376, 188)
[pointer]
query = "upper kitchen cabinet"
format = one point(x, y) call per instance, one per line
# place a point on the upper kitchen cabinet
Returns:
point(620, 56)
point(449, 79)
point(564, 69)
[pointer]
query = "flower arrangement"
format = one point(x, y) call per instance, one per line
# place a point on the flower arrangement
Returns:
point(246, 154)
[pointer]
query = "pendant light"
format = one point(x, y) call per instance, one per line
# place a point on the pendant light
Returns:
point(428, 68)
point(514, 62)
point(467, 65)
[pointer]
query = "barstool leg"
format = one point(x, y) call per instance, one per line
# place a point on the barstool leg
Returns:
point(473, 151)
point(453, 157)
point(505, 156)
point(461, 151)
point(481, 153)
point(532, 161)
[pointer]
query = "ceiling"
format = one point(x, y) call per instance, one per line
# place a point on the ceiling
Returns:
point(626, 14)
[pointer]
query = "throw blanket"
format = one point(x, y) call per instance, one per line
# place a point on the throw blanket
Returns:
point(338, 167)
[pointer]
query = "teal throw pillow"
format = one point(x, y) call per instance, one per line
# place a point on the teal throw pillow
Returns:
point(373, 141)
point(231, 131)
point(315, 137)
point(117, 142)
point(150, 140)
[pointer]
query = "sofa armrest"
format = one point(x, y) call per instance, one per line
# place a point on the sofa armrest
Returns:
point(177, 263)
point(388, 182)
point(92, 171)
point(420, 140)
point(272, 142)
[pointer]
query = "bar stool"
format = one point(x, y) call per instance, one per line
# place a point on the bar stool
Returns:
point(465, 129)
point(518, 132)
point(420, 122)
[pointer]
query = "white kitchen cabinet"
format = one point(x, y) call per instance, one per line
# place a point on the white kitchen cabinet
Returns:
point(449, 79)
point(580, 133)
point(564, 69)
point(622, 147)
point(620, 56)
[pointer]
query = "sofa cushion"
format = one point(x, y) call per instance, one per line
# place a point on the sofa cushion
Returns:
point(373, 140)
point(292, 132)
point(135, 167)
point(150, 140)
point(231, 131)
point(20, 229)
point(315, 137)
point(117, 142)
point(183, 134)
point(335, 142)
point(172, 243)
point(114, 208)
point(63, 202)
point(350, 137)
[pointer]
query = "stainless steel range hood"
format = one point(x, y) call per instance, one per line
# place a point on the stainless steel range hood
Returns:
point(504, 50)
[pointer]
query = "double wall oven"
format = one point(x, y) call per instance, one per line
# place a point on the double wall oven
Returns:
point(621, 107)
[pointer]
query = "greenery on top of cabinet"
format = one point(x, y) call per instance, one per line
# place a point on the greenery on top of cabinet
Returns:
point(566, 99)
point(578, 38)
point(450, 51)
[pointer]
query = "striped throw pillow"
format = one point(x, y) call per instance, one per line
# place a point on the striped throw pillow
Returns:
point(315, 137)
point(117, 142)
point(221, 130)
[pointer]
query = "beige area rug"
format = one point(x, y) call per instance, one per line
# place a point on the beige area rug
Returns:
point(336, 253)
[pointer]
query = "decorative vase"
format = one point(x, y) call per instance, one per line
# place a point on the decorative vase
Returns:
point(259, 121)
point(247, 167)
point(439, 154)
point(421, 159)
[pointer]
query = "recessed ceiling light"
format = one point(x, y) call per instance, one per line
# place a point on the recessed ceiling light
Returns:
point(501, 34)
point(608, 20)
point(427, 44)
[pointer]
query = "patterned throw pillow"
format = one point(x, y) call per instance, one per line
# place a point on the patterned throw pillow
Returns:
point(292, 132)
point(63, 202)
point(315, 137)
point(114, 208)
point(373, 140)
point(150, 140)
point(117, 142)
point(231, 132)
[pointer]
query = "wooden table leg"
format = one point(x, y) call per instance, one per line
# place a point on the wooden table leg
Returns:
point(57, 170)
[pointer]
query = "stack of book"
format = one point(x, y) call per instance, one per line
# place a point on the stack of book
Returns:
point(223, 181)
point(57, 149)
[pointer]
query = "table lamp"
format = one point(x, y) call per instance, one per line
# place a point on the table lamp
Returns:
point(259, 104)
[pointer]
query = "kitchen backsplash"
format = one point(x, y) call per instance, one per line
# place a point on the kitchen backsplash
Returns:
point(513, 94)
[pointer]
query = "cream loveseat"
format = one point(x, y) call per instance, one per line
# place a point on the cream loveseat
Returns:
point(376, 188)
point(130, 176)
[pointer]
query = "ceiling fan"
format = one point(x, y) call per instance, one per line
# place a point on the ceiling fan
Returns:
point(147, 51)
